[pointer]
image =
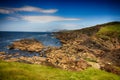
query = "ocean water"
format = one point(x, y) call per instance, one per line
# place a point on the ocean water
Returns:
point(6, 38)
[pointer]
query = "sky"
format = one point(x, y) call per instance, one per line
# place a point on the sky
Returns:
point(55, 15)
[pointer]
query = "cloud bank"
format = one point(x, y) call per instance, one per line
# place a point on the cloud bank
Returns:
point(26, 9)
point(5, 11)
point(46, 19)
point(34, 9)
point(34, 19)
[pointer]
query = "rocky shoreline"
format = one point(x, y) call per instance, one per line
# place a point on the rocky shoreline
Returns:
point(52, 56)
point(101, 51)
point(70, 56)
point(80, 49)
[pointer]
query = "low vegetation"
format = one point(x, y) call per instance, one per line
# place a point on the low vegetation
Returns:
point(21, 71)
point(112, 30)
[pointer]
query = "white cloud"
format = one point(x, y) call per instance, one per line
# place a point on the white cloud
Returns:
point(27, 9)
point(5, 11)
point(46, 19)
point(35, 9)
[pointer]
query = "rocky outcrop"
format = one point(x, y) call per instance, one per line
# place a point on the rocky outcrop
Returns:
point(61, 59)
point(30, 45)
point(15, 57)
point(99, 50)
point(2, 55)
point(70, 55)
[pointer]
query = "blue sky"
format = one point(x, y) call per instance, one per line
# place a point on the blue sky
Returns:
point(52, 15)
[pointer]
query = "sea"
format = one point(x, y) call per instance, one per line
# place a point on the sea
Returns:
point(46, 38)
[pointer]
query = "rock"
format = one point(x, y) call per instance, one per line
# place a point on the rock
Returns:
point(95, 65)
point(60, 58)
point(2, 53)
point(111, 68)
point(11, 60)
point(31, 45)
point(17, 54)
point(2, 57)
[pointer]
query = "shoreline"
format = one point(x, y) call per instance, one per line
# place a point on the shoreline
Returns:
point(82, 49)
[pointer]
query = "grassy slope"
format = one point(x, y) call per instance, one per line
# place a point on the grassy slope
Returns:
point(110, 29)
point(21, 71)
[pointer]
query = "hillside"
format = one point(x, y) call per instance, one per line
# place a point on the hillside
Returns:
point(103, 29)
point(99, 44)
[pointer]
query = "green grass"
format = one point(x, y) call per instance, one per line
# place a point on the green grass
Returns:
point(21, 71)
point(109, 31)
point(110, 28)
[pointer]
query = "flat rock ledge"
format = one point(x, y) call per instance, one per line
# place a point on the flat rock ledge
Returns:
point(31, 45)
